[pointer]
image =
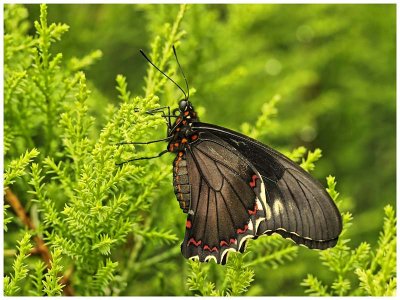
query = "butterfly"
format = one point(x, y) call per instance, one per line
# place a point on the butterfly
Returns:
point(234, 188)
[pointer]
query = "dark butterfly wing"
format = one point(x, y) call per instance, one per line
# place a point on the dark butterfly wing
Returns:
point(225, 208)
point(297, 206)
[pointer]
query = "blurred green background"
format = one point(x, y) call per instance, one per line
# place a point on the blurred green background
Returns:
point(334, 67)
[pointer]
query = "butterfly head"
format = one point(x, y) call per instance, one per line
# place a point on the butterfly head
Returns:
point(185, 105)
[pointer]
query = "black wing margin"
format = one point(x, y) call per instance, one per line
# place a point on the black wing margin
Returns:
point(296, 205)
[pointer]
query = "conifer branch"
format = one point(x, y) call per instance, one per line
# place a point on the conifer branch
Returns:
point(41, 247)
point(21, 270)
point(16, 205)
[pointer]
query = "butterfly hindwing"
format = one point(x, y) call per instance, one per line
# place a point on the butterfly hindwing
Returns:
point(297, 206)
point(225, 207)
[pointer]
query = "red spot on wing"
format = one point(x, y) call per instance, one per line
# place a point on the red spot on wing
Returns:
point(253, 181)
point(239, 231)
point(194, 137)
point(223, 243)
point(193, 241)
point(254, 211)
point(188, 224)
point(206, 247)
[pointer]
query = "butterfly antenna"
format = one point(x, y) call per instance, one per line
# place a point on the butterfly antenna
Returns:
point(148, 59)
point(180, 68)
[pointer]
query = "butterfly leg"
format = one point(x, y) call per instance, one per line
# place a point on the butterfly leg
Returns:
point(154, 110)
point(167, 117)
point(144, 143)
point(143, 158)
point(160, 109)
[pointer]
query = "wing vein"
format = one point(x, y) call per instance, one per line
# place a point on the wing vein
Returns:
point(297, 207)
point(216, 212)
point(226, 179)
point(308, 202)
point(197, 204)
point(206, 218)
point(228, 210)
point(319, 205)
point(220, 162)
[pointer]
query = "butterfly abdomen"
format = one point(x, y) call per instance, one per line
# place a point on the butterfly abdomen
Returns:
point(182, 187)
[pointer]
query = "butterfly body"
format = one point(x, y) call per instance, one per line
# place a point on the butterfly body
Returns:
point(234, 188)
point(182, 136)
point(181, 131)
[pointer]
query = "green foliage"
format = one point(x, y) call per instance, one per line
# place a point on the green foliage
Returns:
point(12, 283)
point(159, 235)
point(87, 205)
point(264, 124)
point(37, 278)
point(197, 280)
point(6, 219)
point(104, 276)
point(16, 168)
point(271, 252)
point(297, 154)
point(116, 230)
point(154, 79)
point(236, 280)
point(51, 285)
point(378, 276)
point(308, 163)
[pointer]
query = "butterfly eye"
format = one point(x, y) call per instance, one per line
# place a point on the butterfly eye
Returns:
point(182, 105)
